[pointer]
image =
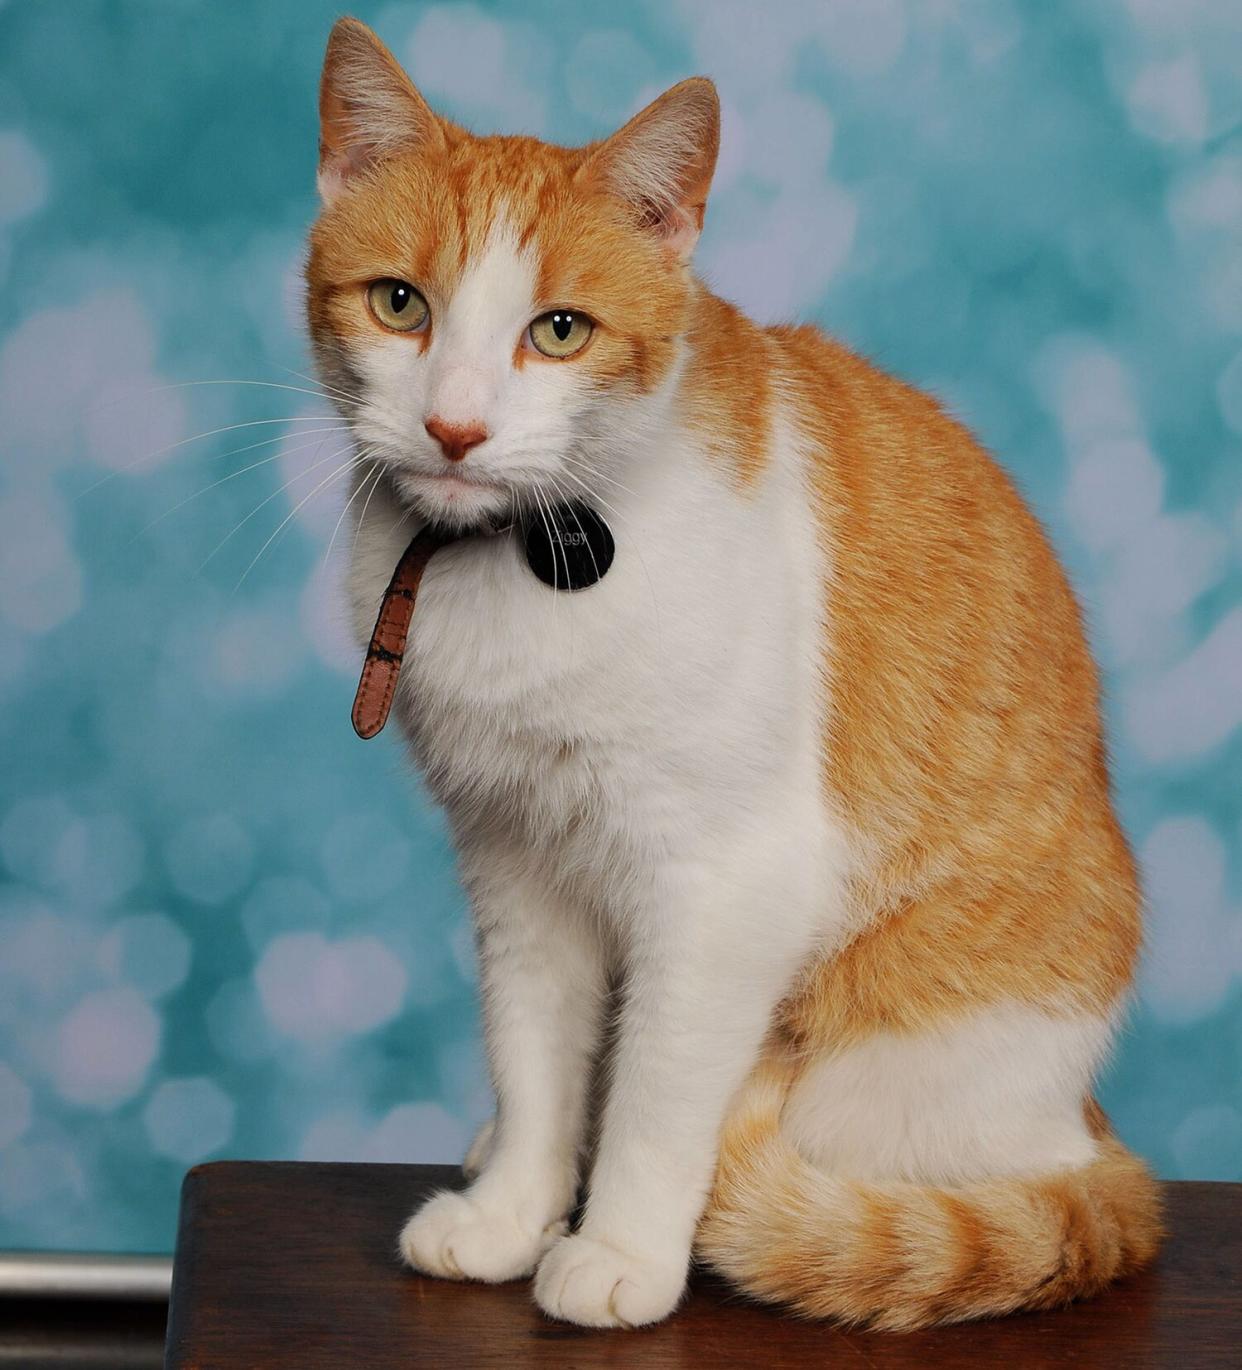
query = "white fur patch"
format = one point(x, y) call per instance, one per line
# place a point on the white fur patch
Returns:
point(1000, 1093)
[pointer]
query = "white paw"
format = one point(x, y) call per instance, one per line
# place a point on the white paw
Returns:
point(480, 1150)
point(455, 1237)
point(595, 1285)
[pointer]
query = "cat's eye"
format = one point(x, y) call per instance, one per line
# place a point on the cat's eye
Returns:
point(397, 305)
point(560, 332)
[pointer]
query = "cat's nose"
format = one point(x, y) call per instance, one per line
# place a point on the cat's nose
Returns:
point(455, 439)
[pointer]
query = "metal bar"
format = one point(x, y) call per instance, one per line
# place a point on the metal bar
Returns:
point(83, 1275)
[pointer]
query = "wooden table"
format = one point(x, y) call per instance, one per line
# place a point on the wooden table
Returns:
point(293, 1265)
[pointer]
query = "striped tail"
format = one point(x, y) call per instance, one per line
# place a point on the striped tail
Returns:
point(901, 1256)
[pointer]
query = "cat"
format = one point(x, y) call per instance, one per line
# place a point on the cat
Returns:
point(790, 840)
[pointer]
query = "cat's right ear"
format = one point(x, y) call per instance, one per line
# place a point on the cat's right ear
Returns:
point(368, 108)
point(661, 163)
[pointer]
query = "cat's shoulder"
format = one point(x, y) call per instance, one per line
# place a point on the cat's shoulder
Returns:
point(848, 404)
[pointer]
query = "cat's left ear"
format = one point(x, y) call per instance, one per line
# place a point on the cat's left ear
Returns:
point(661, 163)
point(368, 108)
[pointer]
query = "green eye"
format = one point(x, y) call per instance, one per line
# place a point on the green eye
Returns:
point(397, 305)
point(560, 332)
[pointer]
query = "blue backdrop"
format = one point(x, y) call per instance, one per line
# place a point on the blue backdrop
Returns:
point(229, 928)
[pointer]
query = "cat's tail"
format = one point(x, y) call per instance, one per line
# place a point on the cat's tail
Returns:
point(900, 1256)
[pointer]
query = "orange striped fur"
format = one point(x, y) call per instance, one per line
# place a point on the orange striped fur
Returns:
point(965, 750)
point(901, 1256)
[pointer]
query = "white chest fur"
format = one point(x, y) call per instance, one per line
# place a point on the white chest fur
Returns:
point(657, 711)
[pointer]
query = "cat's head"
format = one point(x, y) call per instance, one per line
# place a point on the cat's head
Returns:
point(496, 308)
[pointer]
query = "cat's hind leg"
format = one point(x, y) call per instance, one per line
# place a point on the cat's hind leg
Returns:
point(996, 1091)
point(963, 1175)
point(479, 1150)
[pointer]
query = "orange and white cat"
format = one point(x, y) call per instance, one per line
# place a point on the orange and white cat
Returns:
point(794, 829)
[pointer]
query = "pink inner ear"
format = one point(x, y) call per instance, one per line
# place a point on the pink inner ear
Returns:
point(678, 226)
point(337, 167)
point(681, 228)
point(331, 179)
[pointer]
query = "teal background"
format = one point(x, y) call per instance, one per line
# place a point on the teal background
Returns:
point(229, 928)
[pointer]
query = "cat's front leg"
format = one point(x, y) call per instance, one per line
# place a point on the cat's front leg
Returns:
point(703, 976)
point(543, 985)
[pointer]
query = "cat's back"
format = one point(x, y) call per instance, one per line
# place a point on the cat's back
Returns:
point(883, 457)
point(924, 528)
point(961, 677)
point(876, 440)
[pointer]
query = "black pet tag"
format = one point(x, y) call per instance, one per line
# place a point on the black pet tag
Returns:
point(569, 546)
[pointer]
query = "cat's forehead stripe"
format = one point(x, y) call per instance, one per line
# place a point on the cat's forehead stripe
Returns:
point(477, 204)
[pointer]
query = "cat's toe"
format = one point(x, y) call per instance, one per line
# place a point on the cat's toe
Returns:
point(456, 1238)
point(590, 1283)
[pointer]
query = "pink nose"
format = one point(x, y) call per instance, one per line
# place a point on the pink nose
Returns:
point(455, 439)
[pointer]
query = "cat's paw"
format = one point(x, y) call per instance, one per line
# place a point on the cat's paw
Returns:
point(457, 1238)
point(480, 1150)
point(586, 1281)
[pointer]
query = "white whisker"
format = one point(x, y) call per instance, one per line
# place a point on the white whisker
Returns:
point(406, 514)
point(199, 437)
point(379, 474)
point(189, 385)
point(265, 502)
point(327, 480)
point(324, 386)
point(280, 437)
point(570, 506)
point(636, 543)
point(253, 466)
point(601, 475)
point(537, 491)
point(345, 508)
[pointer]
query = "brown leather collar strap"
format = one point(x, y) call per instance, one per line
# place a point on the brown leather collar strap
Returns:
point(392, 627)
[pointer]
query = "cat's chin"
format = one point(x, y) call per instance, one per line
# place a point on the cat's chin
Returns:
point(453, 501)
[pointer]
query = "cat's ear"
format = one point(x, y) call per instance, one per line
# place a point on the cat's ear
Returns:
point(661, 162)
point(368, 108)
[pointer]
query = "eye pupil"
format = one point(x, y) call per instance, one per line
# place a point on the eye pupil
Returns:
point(397, 305)
point(559, 333)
